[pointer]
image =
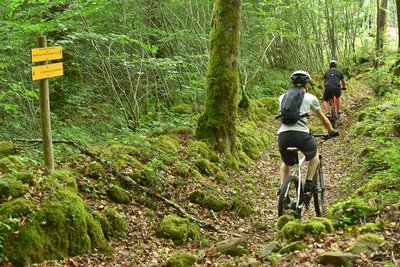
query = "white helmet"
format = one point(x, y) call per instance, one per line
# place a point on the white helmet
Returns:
point(300, 77)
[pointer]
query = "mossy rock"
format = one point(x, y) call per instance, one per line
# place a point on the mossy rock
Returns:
point(17, 208)
point(251, 147)
point(181, 260)
point(112, 223)
point(108, 230)
point(6, 148)
point(26, 177)
point(233, 247)
point(216, 203)
point(261, 226)
point(196, 175)
point(242, 209)
point(206, 167)
point(337, 259)
point(167, 143)
point(117, 222)
point(118, 194)
point(62, 177)
point(283, 220)
point(210, 200)
point(10, 187)
point(325, 221)
point(367, 243)
point(199, 150)
point(95, 170)
point(221, 177)
point(293, 231)
point(232, 162)
point(315, 228)
point(292, 247)
point(9, 164)
point(378, 184)
point(179, 230)
point(62, 227)
point(244, 160)
point(272, 247)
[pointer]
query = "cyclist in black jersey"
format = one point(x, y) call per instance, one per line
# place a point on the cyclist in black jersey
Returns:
point(333, 77)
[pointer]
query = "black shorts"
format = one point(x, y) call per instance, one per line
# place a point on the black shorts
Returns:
point(305, 142)
point(330, 92)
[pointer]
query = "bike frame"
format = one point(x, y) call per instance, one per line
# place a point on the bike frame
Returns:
point(334, 106)
point(296, 171)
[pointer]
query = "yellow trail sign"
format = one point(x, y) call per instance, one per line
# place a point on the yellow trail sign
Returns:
point(47, 71)
point(46, 53)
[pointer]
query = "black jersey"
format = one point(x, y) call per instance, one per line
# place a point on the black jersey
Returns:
point(333, 78)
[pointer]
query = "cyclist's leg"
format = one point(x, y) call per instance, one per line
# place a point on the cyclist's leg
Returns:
point(327, 97)
point(310, 151)
point(338, 93)
point(312, 167)
point(283, 172)
point(289, 158)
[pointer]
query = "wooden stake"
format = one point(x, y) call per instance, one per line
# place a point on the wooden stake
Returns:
point(45, 119)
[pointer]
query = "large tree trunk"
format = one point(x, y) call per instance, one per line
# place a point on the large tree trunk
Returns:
point(218, 122)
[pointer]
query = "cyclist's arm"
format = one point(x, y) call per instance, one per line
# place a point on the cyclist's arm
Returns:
point(324, 120)
point(343, 83)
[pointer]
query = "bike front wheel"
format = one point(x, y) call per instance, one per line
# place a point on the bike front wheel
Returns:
point(319, 195)
point(288, 197)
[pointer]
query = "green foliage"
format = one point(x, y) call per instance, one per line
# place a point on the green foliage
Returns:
point(10, 187)
point(351, 211)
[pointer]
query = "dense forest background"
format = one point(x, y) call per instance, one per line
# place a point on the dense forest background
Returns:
point(128, 161)
point(129, 62)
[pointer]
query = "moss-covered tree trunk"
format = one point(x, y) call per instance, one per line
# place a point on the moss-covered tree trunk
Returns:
point(218, 122)
point(397, 67)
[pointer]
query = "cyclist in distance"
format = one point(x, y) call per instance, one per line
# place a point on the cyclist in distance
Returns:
point(333, 77)
point(298, 134)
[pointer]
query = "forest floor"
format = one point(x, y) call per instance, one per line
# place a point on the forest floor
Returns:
point(142, 248)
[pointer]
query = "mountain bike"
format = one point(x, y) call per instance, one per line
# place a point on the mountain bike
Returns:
point(334, 116)
point(292, 197)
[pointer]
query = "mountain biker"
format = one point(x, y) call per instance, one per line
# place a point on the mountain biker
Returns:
point(333, 77)
point(298, 135)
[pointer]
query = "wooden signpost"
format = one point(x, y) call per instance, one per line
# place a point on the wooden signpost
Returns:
point(41, 73)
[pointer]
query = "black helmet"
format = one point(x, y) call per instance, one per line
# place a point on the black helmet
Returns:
point(333, 64)
point(300, 77)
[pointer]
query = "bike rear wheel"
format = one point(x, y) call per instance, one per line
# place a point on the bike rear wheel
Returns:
point(288, 196)
point(334, 118)
point(319, 195)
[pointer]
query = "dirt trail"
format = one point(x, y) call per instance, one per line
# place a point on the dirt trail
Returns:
point(141, 248)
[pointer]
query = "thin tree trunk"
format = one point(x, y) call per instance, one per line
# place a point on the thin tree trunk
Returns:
point(218, 122)
point(381, 23)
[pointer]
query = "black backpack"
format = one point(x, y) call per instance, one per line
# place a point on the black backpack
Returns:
point(290, 106)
